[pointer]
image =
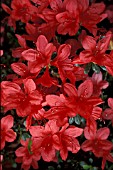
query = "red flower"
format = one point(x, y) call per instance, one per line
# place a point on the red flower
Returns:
point(97, 142)
point(68, 141)
point(69, 19)
point(22, 70)
point(108, 113)
point(78, 102)
point(59, 109)
point(95, 52)
point(25, 101)
point(47, 141)
point(98, 84)
point(27, 154)
point(109, 66)
point(62, 61)
point(17, 52)
point(82, 100)
point(37, 59)
point(90, 16)
point(7, 134)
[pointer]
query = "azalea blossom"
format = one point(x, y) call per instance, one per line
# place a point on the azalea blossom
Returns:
point(27, 154)
point(97, 143)
point(108, 113)
point(7, 134)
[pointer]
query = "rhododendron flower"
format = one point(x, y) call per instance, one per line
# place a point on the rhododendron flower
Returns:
point(68, 141)
point(78, 102)
point(17, 53)
point(25, 101)
point(47, 141)
point(22, 70)
point(62, 61)
point(37, 59)
point(90, 16)
point(27, 154)
point(81, 100)
point(98, 83)
point(97, 143)
point(7, 134)
point(69, 19)
point(95, 52)
point(108, 113)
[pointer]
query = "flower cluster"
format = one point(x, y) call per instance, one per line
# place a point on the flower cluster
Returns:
point(51, 84)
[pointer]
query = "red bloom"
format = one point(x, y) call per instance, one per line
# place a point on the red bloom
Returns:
point(82, 100)
point(37, 59)
point(68, 141)
point(98, 84)
point(69, 19)
point(97, 142)
point(109, 66)
point(27, 154)
point(47, 141)
point(60, 109)
point(17, 52)
point(95, 52)
point(26, 100)
point(7, 134)
point(90, 16)
point(78, 102)
point(108, 113)
point(62, 61)
point(22, 70)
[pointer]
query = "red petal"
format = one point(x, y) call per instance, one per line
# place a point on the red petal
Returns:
point(6, 8)
point(50, 48)
point(64, 51)
point(110, 102)
point(51, 126)
point(41, 43)
point(48, 154)
point(36, 131)
point(89, 43)
point(73, 131)
point(21, 41)
point(30, 54)
point(103, 133)
point(10, 88)
point(10, 135)
point(64, 153)
point(19, 68)
point(70, 90)
point(29, 86)
point(20, 152)
point(87, 145)
point(85, 89)
point(54, 100)
point(7, 122)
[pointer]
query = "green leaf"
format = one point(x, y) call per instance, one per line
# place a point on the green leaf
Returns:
point(14, 165)
point(87, 68)
point(51, 168)
point(71, 120)
point(95, 68)
point(86, 167)
point(29, 146)
point(77, 119)
point(25, 136)
point(91, 160)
